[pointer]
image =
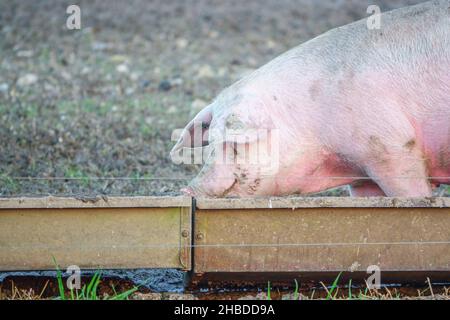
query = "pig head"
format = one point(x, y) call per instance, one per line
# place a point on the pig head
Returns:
point(238, 145)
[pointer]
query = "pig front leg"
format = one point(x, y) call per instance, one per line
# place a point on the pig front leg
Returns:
point(366, 189)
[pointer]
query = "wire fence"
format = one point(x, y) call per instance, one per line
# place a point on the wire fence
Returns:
point(232, 245)
point(191, 177)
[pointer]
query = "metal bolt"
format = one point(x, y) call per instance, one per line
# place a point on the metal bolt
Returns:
point(199, 236)
point(185, 233)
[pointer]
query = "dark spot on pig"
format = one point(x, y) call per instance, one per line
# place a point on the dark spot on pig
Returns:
point(378, 149)
point(275, 98)
point(376, 144)
point(232, 122)
point(444, 158)
point(243, 176)
point(254, 186)
point(227, 191)
point(410, 144)
point(314, 90)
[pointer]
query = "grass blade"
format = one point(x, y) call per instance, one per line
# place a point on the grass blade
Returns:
point(296, 294)
point(333, 287)
point(62, 294)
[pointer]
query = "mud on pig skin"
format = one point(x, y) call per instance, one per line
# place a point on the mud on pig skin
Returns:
point(367, 108)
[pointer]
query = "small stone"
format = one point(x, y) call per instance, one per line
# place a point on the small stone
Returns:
point(149, 120)
point(27, 80)
point(182, 43)
point(165, 85)
point(134, 76)
point(129, 91)
point(172, 109)
point(4, 87)
point(205, 71)
point(271, 44)
point(85, 70)
point(122, 68)
point(213, 34)
point(145, 83)
point(100, 46)
point(119, 58)
point(25, 54)
point(236, 62)
point(222, 71)
point(177, 81)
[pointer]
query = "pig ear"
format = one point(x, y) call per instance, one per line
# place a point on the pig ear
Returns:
point(196, 129)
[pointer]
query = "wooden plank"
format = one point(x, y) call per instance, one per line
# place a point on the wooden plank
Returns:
point(321, 239)
point(129, 234)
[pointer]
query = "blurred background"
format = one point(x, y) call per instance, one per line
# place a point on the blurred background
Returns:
point(102, 102)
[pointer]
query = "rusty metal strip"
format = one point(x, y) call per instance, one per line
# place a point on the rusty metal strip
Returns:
point(253, 240)
point(131, 233)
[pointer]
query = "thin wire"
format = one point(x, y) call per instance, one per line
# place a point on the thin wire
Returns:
point(190, 177)
point(239, 245)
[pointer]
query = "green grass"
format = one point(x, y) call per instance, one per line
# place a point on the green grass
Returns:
point(8, 183)
point(74, 172)
point(268, 291)
point(89, 291)
point(334, 287)
point(296, 293)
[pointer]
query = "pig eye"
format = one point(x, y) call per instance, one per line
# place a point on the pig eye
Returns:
point(205, 134)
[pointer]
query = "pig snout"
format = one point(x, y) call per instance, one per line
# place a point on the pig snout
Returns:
point(211, 183)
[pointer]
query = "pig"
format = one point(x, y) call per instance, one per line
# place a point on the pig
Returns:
point(368, 108)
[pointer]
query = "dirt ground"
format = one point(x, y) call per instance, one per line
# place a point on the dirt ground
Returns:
point(46, 287)
point(103, 101)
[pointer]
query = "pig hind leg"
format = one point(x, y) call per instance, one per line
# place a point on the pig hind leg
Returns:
point(401, 172)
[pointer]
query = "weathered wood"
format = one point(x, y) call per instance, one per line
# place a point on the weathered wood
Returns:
point(118, 233)
point(321, 202)
point(306, 235)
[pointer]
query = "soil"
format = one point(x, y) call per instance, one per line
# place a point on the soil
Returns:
point(46, 287)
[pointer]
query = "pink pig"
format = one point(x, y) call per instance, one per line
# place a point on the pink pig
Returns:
point(359, 107)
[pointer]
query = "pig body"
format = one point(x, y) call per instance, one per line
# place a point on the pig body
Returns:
point(368, 108)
